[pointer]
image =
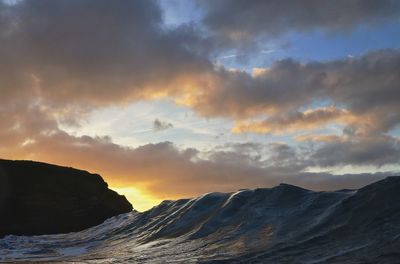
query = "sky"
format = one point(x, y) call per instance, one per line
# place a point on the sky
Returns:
point(171, 99)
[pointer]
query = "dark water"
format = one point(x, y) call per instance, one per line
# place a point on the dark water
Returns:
point(284, 224)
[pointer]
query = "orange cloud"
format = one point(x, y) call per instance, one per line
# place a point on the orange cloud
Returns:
point(298, 121)
point(319, 138)
point(56, 66)
point(154, 172)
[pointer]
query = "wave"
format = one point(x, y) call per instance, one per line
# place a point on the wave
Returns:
point(284, 224)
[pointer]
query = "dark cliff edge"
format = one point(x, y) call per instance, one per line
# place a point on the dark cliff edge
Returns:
point(38, 198)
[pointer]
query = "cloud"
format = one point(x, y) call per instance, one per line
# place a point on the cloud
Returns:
point(93, 52)
point(156, 168)
point(317, 138)
point(375, 151)
point(242, 21)
point(353, 147)
point(296, 121)
point(60, 59)
point(30, 132)
point(366, 88)
point(114, 54)
point(161, 125)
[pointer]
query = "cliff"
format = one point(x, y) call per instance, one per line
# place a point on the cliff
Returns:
point(38, 198)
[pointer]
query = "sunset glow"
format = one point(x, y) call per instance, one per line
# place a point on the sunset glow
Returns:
point(164, 105)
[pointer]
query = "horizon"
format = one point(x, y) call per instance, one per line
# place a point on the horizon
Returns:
point(133, 193)
point(173, 99)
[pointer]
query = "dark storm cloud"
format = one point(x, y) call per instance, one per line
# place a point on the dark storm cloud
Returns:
point(159, 125)
point(98, 52)
point(375, 151)
point(240, 20)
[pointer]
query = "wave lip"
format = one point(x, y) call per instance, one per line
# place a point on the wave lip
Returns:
point(283, 224)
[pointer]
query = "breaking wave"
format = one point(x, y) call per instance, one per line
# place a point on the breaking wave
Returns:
point(284, 224)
